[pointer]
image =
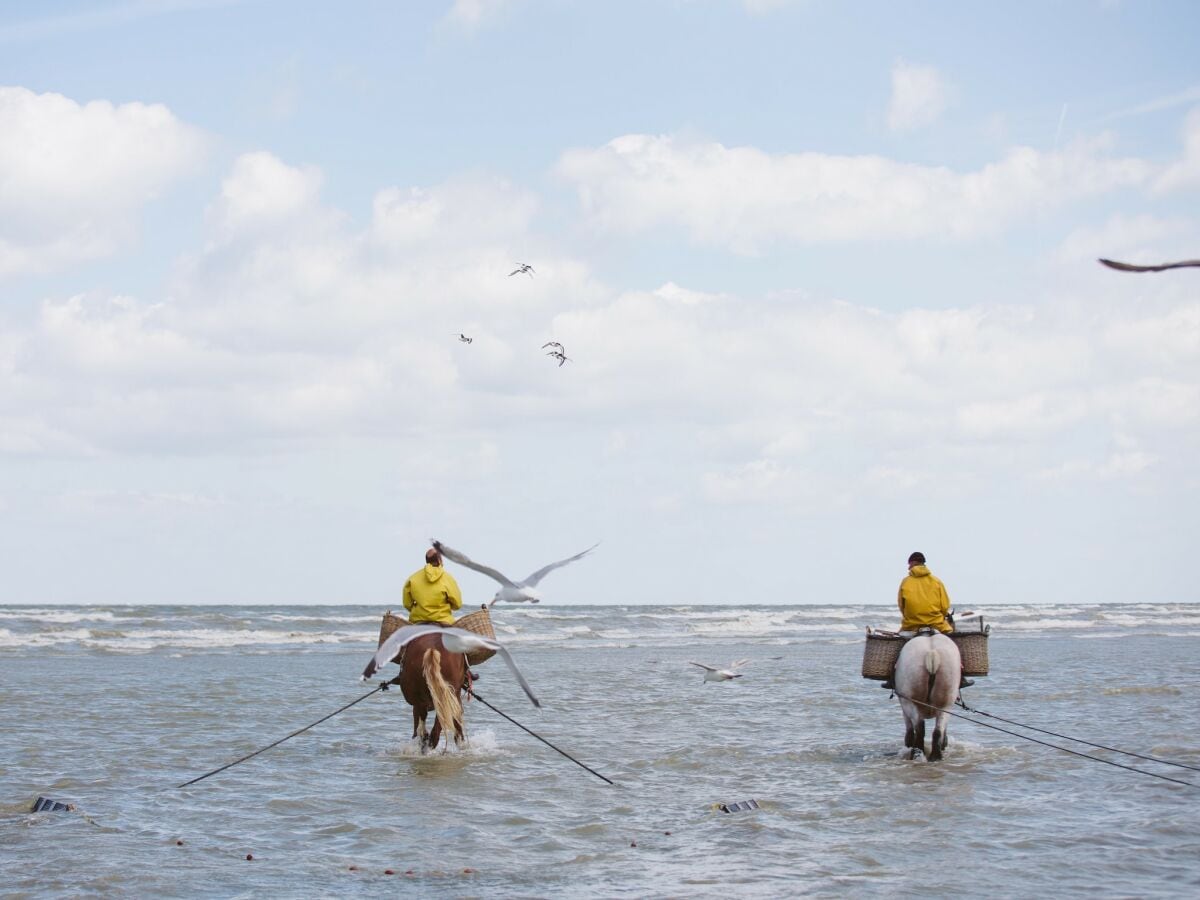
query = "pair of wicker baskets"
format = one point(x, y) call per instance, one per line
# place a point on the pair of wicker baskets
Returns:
point(883, 648)
point(479, 622)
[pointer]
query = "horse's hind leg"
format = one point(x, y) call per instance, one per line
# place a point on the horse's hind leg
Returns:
point(918, 744)
point(419, 730)
point(940, 737)
point(938, 743)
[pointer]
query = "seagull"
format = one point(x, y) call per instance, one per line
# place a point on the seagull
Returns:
point(560, 356)
point(510, 591)
point(456, 640)
point(1130, 267)
point(466, 340)
point(555, 344)
point(523, 268)
point(712, 673)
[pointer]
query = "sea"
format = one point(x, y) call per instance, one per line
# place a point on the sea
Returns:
point(111, 708)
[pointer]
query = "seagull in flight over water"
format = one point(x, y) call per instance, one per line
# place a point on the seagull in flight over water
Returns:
point(455, 640)
point(510, 591)
point(522, 268)
point(712, 673)
point(1130, 267)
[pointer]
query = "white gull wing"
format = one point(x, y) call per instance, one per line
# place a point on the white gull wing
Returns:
point(463, 560)
point(396, 640)
point(503, 651)
point(541, 573)
point(706, 668)
point(459, 640)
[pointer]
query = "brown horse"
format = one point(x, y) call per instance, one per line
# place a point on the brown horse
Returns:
point(432, 678)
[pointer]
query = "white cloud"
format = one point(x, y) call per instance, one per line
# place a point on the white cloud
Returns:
point(74, 177)
point(753, 482)
point(1184, 174)
point(1118, 465)
point(1137, 238)
point(112, 14)
point(293, 325)
point(1186, 97)
point(261, 193)
point(761, 7)
point(747, 199)
point(473, 13)
point(919, 96)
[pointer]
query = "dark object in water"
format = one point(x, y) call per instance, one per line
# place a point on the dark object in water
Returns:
point(740, 806)
point(45, 804)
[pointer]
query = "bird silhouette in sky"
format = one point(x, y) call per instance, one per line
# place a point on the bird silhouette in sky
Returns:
point(1130, 267)
point(523, 268)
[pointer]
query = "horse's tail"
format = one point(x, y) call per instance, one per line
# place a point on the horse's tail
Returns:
point(445, 702)
point(932, 663)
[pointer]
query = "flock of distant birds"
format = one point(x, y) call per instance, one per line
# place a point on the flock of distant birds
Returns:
point(557, 350)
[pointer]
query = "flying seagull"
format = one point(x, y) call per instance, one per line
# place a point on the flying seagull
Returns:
point(510, 591)
point(466, 340)
point(712, 673)
point(560, 356)
point(523, 268)
point(456, 640)
point(1130, 267)
point(556, 345)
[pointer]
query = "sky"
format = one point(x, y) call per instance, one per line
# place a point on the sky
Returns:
point(825, 275)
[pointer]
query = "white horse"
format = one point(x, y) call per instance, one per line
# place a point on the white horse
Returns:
point(927, 679)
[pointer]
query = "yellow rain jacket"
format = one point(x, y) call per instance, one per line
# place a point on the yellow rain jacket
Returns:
point(431, 595)
point(923, 601)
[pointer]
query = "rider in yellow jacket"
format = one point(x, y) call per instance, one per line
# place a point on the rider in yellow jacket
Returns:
point(923, 600)
point(431, 594)
point(923, 603)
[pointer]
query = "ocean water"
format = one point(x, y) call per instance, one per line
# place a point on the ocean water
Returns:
point(111, 707)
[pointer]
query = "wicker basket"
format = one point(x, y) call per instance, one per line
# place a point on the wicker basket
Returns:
point(879, 655)
point(883, 648)
point(973, 648)
point(479, 622)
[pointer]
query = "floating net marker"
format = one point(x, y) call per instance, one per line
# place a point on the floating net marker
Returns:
point(45, 804)
point(740, 806)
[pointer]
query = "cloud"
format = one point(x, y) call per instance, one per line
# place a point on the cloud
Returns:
point(1186, 97)
point(746, 199)
point(1185, 173)
point(762, 7)
point(1118, 465)
point(473, 13)
point(262, 192)
point(74, 177)
point(1135, 238)
point(293, 325)
point(919, 96)
point(101, 17)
